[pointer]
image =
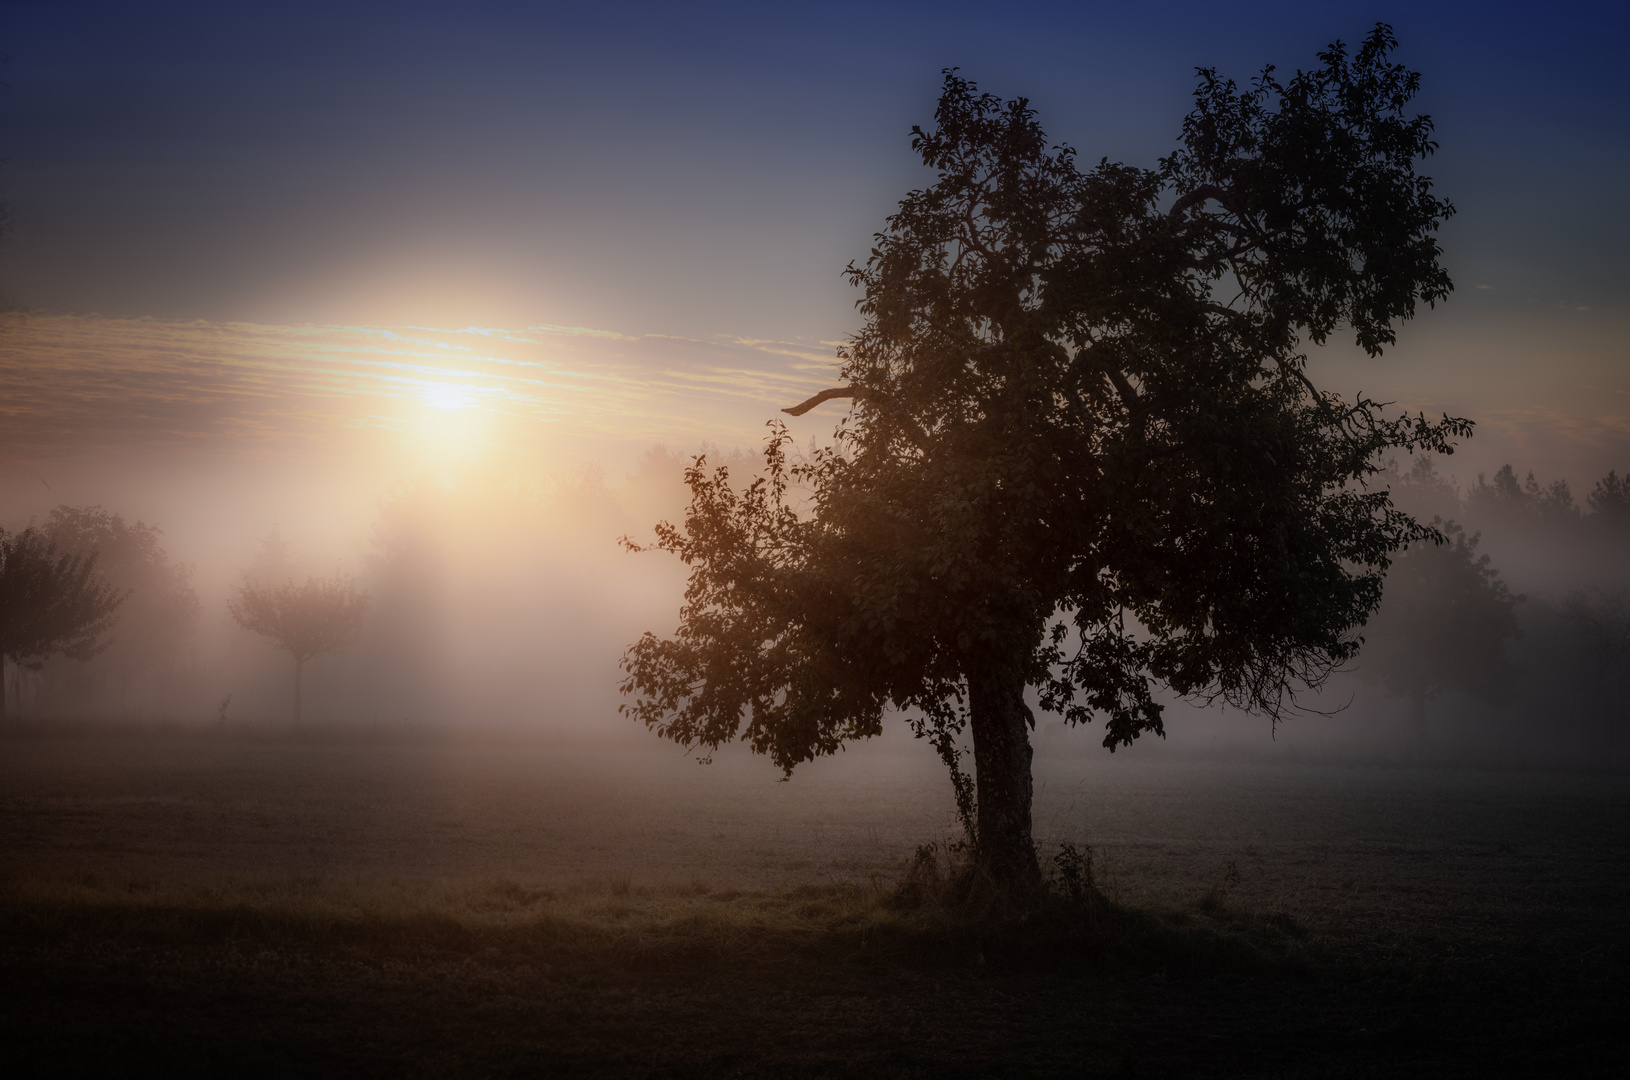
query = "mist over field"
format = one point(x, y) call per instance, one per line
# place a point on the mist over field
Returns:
point(493, 602)
point(502, 597)
point(476, 484)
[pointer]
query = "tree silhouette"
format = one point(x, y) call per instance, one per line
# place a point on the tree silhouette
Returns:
point(49, 603)
point(1084, 454)
point(1508, 504)
point(158, 618)
point(1609, 502)
point(1603, 618)
point(1443, 624)
point(306, 620)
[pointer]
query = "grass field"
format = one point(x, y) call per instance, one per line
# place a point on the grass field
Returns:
point(221, 903)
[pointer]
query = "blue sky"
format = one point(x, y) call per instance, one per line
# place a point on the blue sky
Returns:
point(704, 172)
point(690, 169)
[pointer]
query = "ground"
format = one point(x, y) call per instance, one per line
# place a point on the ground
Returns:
point(233, 902)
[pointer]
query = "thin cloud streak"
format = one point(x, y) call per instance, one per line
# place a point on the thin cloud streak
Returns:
point(91, 388)
point(77, 385)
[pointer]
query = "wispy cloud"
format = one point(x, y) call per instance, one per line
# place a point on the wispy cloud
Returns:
point(76, 384)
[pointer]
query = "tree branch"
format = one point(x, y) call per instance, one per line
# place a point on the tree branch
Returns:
point(1129, 397)
point(825, 395)
point(1200, 195)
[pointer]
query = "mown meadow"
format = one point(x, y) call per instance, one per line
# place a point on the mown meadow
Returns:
point(355, 903)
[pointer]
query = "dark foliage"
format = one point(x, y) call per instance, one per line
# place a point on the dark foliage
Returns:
point(1600, 618)
point(1609, 501)
point(1558, 677)
point(1506, 503)
point(1078, 393)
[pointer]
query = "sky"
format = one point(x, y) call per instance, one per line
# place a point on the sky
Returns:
point(267, 259)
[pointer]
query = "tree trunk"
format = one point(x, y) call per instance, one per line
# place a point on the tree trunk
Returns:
point(1001, 723)
point(299, 663)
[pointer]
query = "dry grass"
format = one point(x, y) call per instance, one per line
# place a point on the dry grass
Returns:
point(917, 921)
point(474, 908)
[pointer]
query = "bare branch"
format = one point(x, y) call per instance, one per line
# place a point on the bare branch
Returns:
point(825, 395)
point(1200, 195)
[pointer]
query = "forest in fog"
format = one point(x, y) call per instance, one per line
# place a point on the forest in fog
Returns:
point(495, 602)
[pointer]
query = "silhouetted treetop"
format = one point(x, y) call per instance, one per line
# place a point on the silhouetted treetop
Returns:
point(1609, 500)
point(1507, 501)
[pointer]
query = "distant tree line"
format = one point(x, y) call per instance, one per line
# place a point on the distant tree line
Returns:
point(1450, 623)
point(488, 596)
point(104, 622)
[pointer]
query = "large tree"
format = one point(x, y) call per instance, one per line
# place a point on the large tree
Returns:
point(50, 602)
point(1085, 452)
point(305, 620)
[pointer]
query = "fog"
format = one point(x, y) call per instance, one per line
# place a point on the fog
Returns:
point(496, 599)
point(501, 598)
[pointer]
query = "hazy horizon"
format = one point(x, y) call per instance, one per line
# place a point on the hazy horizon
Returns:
point(285, 270)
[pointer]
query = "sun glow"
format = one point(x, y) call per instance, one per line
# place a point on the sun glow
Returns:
point(453, 422)
point(448, 397)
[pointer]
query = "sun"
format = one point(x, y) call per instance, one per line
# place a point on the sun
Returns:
point(450, 421)
point(447, 397)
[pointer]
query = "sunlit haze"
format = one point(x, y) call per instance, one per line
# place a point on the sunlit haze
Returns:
point(274, 278)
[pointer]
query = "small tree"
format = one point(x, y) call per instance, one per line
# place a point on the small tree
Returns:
point(1085, 454)
point(49, 603)
point(158, 619)
point(306, 620)
point(1443, 624)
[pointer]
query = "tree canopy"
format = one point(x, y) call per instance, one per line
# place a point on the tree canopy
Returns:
point(1085, 452)
point(50, 603)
